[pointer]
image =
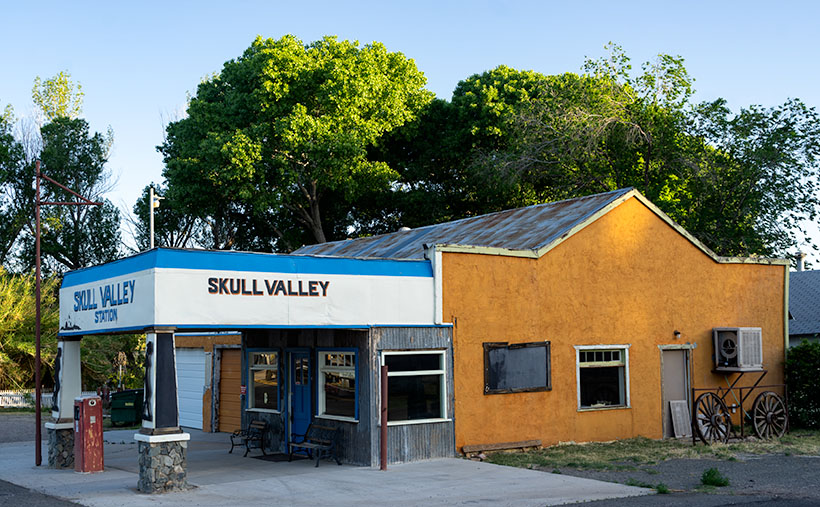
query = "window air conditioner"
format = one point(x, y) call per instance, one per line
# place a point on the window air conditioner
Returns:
point(738, 348)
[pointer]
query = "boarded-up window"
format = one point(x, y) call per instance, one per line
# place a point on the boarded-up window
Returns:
point(517, 367)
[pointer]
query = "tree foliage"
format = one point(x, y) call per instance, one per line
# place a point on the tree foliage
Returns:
point(741, 183)
point(173, 228)
point(274, 151)
point(803, 382)
point(72, 236)
point(15, 194)
point(58, 97)
point(17, 318)
point(76, 236)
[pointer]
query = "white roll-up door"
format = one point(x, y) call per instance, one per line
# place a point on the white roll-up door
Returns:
point(190, 386)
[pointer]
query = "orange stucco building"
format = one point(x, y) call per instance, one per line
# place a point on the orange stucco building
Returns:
point(581, 320)
point(627, 280)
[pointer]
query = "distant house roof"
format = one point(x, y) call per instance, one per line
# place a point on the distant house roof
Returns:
point(523, 232)
point(804, 302)
point(530, 228)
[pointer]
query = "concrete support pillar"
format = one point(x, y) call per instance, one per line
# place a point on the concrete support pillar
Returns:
point(162, 444)
point(67, 386)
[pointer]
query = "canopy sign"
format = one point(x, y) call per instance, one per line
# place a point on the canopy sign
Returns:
point(198, 289)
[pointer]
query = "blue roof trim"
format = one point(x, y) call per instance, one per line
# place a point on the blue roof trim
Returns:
point(228, 328)
point(248, 261)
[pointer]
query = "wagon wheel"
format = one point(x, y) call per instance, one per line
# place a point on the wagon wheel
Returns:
point(712, 419)
point(769, 415)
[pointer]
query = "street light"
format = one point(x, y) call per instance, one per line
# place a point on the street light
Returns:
point(153, 202)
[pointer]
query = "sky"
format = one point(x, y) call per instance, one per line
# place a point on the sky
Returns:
point(137, 61)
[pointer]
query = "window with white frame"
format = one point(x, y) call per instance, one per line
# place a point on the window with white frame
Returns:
point(603, 376)
point(416, 386)
point(264, 380)
point(337, 384)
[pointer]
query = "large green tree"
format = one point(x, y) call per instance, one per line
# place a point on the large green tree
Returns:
point(72, 236)
point(77, 236)
point(15, 193)
point(274, 150)
point(742, 183)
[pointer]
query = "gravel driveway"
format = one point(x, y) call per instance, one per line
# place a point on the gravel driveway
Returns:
point(19, 427)
point(787, 480)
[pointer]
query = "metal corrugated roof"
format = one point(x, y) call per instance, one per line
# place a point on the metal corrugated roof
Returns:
point(804, 302)
point(530, 228)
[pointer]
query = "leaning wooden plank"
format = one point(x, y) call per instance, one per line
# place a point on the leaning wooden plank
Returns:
point(500, 446)
point(681, 421)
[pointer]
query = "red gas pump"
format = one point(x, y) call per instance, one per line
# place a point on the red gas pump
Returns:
point(88, 434)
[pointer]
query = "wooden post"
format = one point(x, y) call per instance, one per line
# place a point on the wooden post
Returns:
point(383, 428)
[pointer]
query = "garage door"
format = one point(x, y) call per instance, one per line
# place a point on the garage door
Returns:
point(191, 386)
point(230, 382)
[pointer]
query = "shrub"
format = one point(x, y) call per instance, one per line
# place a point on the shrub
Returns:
point(662, 489)
point(803, 381)
point(712, 477)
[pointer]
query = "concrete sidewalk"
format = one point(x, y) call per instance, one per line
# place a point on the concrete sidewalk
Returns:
point(219, 478)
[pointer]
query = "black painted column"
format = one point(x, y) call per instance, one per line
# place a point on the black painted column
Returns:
point(163, 447)
point(159, 411)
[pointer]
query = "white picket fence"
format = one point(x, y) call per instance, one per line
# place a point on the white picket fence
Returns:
point(25, 398)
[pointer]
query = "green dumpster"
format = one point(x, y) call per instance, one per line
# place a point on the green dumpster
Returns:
point(126, 407)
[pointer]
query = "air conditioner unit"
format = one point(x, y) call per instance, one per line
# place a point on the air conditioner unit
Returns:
point(738, 348)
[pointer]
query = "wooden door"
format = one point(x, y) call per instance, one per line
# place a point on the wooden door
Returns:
point(675, 379)
point(300, 392)
point(230, 382)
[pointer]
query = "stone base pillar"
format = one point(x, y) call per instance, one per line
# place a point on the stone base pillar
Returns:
point(163, 461)
point(60, 445)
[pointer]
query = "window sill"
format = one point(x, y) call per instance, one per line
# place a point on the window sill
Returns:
point(263, 410)
point(337, 418)
point(417, 421)
point(597, 409)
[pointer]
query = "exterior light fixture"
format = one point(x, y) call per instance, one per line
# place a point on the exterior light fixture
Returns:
point(677, 334)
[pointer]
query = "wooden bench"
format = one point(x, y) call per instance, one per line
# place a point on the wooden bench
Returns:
point(318, 440)
point(472, 450)
point(251, 437)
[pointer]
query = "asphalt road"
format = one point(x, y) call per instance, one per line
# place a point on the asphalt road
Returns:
point(11, 494)
point(21, 428)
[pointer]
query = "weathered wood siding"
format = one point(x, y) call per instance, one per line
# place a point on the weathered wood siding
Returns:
point(411, 442)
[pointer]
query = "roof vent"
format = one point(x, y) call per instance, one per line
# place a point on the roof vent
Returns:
point(403, 229)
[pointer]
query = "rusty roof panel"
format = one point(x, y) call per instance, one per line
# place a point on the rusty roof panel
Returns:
point(529, 228)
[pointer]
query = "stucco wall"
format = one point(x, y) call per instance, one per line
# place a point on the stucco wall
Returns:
point(628, 278)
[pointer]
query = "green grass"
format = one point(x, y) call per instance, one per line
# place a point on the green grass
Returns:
point(713, 477)
point(662, 489)
point(639, 453)
point(20, 410)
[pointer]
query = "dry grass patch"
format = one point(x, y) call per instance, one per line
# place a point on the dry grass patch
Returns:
point(635, 453)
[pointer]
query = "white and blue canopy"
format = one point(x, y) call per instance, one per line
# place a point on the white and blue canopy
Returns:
point(200, 289)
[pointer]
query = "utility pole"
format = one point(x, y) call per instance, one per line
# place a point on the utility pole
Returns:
point(38, 451)
point(153, 203)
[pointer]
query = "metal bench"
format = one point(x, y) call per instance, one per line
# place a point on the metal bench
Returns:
point(251, 437)
point(318, 441)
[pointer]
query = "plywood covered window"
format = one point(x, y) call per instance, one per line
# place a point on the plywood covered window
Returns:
point(337, 384)
point(415, 386)
point(264, 380)
point(517, 367)
point(603, 376)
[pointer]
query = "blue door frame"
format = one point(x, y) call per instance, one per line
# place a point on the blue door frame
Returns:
point(299, 390)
